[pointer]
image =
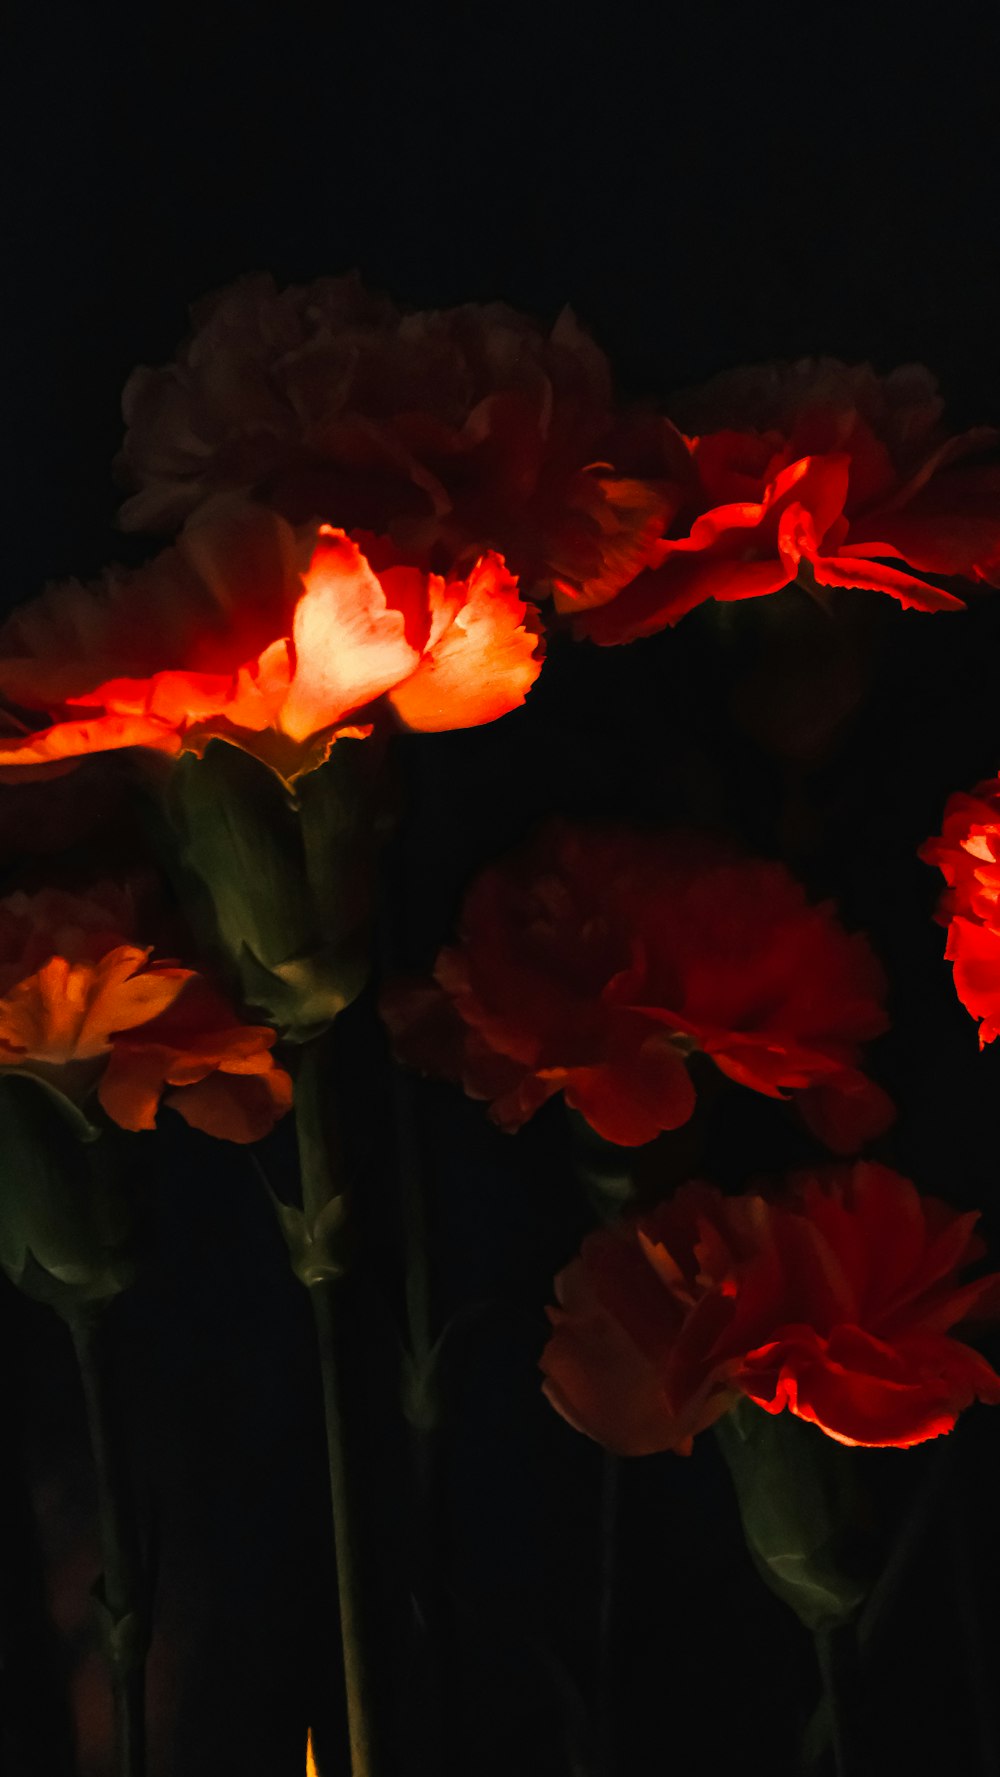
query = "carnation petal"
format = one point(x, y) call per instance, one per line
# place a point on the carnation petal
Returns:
point(482, 661)
point(876, 576)
point(99, 734)
point(349, 646)
point(631, 1100)
point(847, 1111)
point(232, 1106)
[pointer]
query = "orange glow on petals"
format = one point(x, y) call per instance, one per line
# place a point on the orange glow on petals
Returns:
point(444, 654)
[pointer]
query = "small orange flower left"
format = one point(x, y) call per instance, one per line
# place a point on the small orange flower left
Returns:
point(85, 1008)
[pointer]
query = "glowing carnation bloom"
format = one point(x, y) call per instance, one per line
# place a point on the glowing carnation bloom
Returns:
point(835, 1300)
point(276, 642)
point(593, 963)
point(83, 1007)
point(450, 431)
point(823, 473)
point(967, 852)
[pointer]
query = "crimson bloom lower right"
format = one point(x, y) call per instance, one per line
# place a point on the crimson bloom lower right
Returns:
point(836, 1298)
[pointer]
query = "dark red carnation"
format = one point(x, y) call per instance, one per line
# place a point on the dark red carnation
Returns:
point(593, 963)
point(822, 473)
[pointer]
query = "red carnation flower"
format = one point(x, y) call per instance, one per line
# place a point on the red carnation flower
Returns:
point(452, 432)
point(592, 963)
point(275, 641)
point(836, 1300)
point(822, 473)
point(84, 1008)
point(967, 852)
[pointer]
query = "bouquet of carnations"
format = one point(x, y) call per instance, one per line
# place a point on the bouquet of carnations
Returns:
point(463, 727)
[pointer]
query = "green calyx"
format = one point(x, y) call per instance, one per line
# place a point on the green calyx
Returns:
point(66, 1222)
point(804, 1512)
point(278, 881)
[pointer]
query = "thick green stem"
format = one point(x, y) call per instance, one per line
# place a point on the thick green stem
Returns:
point(320, 1185)
point(123, 1580)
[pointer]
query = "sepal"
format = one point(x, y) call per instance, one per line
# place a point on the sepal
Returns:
point(804, 1512)
point(603, 1169)
point(320, 1247)
point(66, 1221)
point(124, 1640)
point(276, 880)
point(424, 1378)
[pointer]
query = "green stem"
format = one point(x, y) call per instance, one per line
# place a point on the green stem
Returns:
point(122, 1580)
point(413, 1208)
point(325, 1304)
point(610, 1476)
point(320, 1184)
point(422, 1419)
point(877, 1613)
point(837, 1657)
point(420, 1382)
point(915, 1527)
point(414, 1217)
point(966, 1584)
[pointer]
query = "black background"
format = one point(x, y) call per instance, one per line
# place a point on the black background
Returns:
point(705, 186)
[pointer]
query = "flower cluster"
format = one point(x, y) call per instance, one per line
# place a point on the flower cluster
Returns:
point(835, 1300)
point(84, 1007)
point(594, 962)
point(458, 430)
point(365, 505)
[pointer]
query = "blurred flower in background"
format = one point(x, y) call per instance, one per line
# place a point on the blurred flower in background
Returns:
point(451, 431)
point(594, 962)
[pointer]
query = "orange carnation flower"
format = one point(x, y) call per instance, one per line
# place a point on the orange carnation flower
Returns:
point(276, 642)
point(84, 1007)
point(822, 473)
point(452, 432)
point(836, 1300)
point(967, 853)
point(593, 963)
